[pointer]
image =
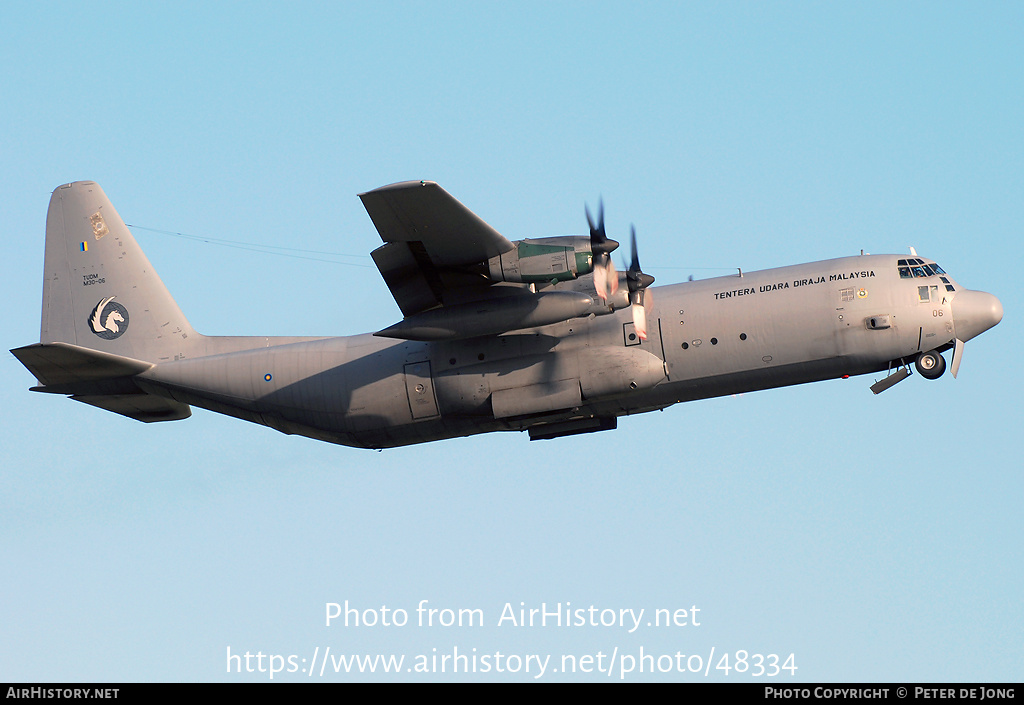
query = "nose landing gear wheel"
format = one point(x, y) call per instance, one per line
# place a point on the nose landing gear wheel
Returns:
point(930, 365)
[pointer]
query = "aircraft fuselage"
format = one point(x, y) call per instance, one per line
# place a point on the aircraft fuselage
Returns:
point(706, 338)
point(538, 335)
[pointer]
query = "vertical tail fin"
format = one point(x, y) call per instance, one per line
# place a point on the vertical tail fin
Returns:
point(107, 317)
point(99, 290)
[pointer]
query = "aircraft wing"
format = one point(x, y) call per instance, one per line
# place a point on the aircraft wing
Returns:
point(428, 235)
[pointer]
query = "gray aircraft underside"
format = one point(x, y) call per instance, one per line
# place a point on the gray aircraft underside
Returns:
point(490, 339)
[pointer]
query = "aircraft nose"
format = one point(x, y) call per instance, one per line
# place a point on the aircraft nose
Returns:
point(974, 312)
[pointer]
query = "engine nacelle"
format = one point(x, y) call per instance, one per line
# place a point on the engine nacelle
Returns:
point(546, 259)
point(492, 316)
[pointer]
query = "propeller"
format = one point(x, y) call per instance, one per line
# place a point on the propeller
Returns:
point(639, 297)
point(606, 279)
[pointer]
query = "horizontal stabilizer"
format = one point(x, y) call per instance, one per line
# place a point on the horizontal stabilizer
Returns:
point(97, 378)
point(141, 407)
point(59, 364)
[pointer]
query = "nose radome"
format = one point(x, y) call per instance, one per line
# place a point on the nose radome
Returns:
point(974, 312)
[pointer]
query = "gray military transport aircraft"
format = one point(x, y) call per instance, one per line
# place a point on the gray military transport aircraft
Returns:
point(541, 335)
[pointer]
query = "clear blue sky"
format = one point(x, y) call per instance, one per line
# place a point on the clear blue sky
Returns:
point(875, 538)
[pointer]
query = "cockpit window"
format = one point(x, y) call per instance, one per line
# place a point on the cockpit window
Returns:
point(913, 267)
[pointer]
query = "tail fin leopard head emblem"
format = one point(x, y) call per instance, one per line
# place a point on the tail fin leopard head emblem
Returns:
point(108, 319)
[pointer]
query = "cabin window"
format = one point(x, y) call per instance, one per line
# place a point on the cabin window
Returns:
point(922, 294)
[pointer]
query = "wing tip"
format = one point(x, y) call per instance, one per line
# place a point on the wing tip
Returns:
point(399, 186)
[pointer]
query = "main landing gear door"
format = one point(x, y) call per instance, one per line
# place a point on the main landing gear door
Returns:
point(420, 389)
